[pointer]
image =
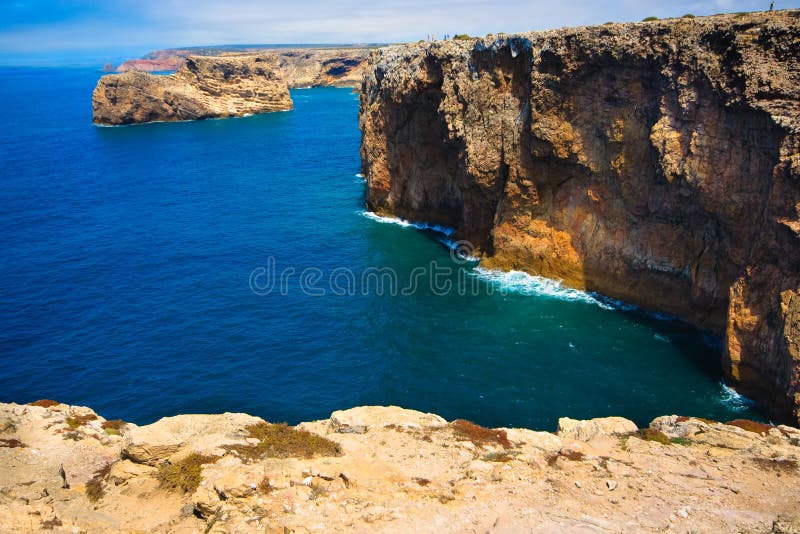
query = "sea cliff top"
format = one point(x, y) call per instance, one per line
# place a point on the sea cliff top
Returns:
point(388, 469)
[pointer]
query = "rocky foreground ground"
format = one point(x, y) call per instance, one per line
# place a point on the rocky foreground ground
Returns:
point(66, 469)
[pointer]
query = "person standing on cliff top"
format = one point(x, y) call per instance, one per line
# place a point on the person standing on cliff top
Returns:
point(771, 6)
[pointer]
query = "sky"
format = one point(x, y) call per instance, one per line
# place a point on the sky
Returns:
point(97, 29)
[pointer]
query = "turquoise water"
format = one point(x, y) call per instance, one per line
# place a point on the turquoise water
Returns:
point(129, 255)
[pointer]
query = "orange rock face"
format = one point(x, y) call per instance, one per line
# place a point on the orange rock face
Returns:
point(656, 163)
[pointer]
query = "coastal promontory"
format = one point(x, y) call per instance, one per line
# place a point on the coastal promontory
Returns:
point(657, 163)
point(203, 88)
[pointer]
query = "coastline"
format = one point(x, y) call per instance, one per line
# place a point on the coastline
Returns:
point(389, 469)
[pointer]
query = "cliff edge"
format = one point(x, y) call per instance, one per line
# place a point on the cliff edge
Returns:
point(387, 469)
point(656, 163)
point(204, 87)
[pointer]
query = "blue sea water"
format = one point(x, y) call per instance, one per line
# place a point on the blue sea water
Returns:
point(128, 256)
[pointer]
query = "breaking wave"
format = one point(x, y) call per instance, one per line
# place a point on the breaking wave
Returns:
point(729, 398)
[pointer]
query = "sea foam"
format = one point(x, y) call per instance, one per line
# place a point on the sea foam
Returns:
point(444, 230)
point(528, 284)
point(733, 400)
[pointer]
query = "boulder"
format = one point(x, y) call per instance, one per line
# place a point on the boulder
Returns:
point(360, 420)
point(586, 430)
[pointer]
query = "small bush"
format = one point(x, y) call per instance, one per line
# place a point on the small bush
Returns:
point(480, 435)
point(649, 19)
point(751, 426)
point(264, 486)
point(497, 457)
point(609, 23)
point(283, 441)
point(76, 421)
point(12, 443)
point(114, 426)
point(94, 488)
point(44, 403)
point(651, 434)
point(688, 16)
point(421, 481)
point(567, 454)
point(51, 524)
point(681, 441)
point(462, 37)
point(184, 475)
point(683, 419)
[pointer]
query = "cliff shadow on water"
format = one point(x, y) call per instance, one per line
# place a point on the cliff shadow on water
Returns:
point(655, 163)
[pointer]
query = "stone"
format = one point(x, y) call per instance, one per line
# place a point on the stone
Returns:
point(154, 443)
point(587, 430)
point(360, 420)
point(124, 470)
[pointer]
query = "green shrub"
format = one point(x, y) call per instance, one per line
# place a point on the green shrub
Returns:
point(284, 441)
point(94, 488)
point(184, 475)
point(649, 19)
point(688, 16)
point(462, 37)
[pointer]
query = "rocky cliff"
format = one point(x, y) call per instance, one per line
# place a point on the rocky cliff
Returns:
point(302, 67)
point(386, 469)
point(654, 162)
point(204, 87)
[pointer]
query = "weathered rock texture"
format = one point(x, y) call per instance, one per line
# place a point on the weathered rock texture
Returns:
point(302, 67)
point(204, 87)
point(656, 163)
point(401, 471)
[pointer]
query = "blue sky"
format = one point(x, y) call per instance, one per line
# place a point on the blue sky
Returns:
point(111, 28)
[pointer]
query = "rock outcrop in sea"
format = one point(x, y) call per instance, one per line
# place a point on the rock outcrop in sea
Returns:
point(203, 88)
point(657, 163)
point(387, 469)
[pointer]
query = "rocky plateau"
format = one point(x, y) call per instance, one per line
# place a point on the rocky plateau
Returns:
point(387, 469)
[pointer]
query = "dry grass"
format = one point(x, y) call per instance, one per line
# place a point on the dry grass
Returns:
point(752, 426)
point(480, 435)
point(421, 481)
point(94, 488)
point(77, 421)
point(567, 454)
point(497, 457)
point(184, 475)
point(283, 441)
point(12, 443)
point(683, 419)
point(51, 524)
point(780, 465)
point(44, 403)
point(114, 426)
point(651, 434)
point(264, 486)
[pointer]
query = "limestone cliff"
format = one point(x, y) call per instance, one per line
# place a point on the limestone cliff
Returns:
point(654, 162)
point(302, 67)
point(204, 87)
point(386, 469)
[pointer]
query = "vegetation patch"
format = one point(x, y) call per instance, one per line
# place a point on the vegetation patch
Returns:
point(680, 441)
point(688, 16)
point(94, 488)
point(77, 421)
point(501, 456)
point(421, 481)
point(480, 435)
point(284, 441)
point(567, 454)
point(651, 434)
point(51, 524)
point(683, 419)
point(44, 403)
point(649, 19)
point(114, 426)
point(184, 475)
point(264, 486)
point(12, 443)
point(753, 426)
point(462, 37)
point(777, 464)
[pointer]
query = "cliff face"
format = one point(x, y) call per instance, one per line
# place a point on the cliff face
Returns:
point(386, 469)
point(656, 163)
point(204, 87)
point(302, 67)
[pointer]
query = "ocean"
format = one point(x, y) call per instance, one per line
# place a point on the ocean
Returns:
point(228, 265)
